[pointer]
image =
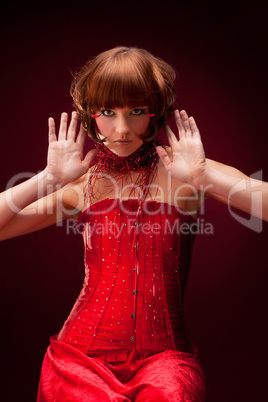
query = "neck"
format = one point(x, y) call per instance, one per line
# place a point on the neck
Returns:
point(144, 157)
point(143, 161)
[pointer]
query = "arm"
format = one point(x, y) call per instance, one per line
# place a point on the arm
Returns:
point(54, 193)
point(234, 188)
point(224, 183)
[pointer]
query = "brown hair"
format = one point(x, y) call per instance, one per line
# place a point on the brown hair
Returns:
point(124, 76)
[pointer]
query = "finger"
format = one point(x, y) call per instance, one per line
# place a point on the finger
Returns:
point(51, 130)
point(194, 128)
point(179, 124)
point(164, 157)
point(185, 121)
point(172, 139)
point(63, 127)
point(71, 134)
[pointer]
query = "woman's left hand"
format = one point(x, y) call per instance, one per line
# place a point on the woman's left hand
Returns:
point(188, 162)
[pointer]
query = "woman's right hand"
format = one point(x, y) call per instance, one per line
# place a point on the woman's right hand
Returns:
point(65, 160)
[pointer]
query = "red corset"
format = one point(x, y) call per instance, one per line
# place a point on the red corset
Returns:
point(137, 258)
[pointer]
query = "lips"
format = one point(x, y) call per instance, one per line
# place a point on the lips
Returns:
point(122, 142)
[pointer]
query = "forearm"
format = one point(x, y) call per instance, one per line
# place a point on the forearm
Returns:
point(247, 194)
point(14, 199)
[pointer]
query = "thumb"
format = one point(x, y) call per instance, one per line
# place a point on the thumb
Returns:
point(164, 157)
point(90, 156)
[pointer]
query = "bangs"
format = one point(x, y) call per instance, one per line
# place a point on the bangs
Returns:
point(122, 77)
point(121, 84)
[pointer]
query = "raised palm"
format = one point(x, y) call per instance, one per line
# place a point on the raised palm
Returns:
point(65, 160)
point(188, 162)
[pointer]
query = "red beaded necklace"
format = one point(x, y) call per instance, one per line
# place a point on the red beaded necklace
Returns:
point(144, 157)
point(144, 161)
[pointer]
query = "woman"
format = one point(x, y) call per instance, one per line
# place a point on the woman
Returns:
point(136, 203)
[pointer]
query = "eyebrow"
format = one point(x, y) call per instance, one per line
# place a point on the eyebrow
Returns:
point(113, 108)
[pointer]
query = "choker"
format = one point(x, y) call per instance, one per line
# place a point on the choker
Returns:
point(143, 161)
point(145, 157)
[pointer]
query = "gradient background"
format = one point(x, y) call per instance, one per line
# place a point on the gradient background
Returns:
point(219, 53)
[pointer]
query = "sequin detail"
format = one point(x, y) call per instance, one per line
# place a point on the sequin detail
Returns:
point(132, 296)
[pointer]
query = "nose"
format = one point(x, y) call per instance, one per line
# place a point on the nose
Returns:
point(122, 127)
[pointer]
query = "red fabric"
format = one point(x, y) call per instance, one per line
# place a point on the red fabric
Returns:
point(143, 159)
point(130, 310)
point(136, 271)
point(70, 375)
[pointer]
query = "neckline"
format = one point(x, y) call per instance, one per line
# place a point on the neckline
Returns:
point(107, 201)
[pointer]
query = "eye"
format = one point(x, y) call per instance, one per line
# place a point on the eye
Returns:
point(138, 112)
point(107, 112)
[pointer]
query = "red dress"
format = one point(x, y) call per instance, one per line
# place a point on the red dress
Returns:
point(125, 339)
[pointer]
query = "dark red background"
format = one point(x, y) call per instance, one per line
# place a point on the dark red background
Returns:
point(219, 55)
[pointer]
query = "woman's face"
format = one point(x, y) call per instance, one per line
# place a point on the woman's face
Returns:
point(122, 128)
